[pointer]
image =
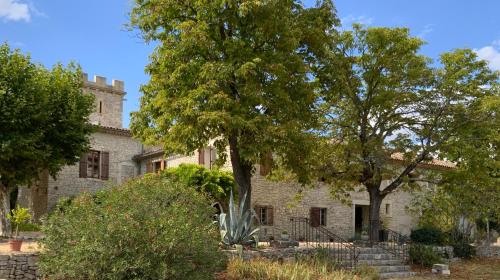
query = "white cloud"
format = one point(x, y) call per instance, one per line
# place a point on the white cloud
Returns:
point(491, 54)
point(14, 10)
point(350, 19)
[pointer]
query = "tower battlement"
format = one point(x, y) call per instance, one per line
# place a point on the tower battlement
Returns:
point(116, 86)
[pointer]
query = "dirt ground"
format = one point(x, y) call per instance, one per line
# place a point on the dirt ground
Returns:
point(475, 269)
point(28, 246)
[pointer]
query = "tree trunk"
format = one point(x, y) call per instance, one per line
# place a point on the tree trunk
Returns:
point(375, 202)
point(242, 171)
point(5, 227)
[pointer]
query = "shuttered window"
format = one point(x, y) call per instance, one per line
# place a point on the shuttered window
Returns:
point(95, 164)
point(318, 216)
point(201, 156)
point(265, 214)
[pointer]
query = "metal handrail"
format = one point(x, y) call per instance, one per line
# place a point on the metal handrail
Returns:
point(396, 244)
point(320, 237)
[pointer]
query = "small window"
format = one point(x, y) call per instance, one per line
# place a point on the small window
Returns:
point(93, 158)
point(158, 165)
point(100, 107)
point(213, 157)
point(388, 210)
point(265, 215)
point(318, 216)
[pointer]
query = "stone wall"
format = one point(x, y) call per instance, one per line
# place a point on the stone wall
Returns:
point(108, 101)
point(19, 266)
point(121, 167)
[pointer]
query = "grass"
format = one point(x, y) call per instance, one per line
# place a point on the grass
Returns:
point(475, 269)
point(263, 269)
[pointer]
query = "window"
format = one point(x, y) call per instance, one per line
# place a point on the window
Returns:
point(95, 164)
point(100, 107)
point(318, 216)
point(388, 210)
point(265, 214)
point(213, 157)
point(158, 165)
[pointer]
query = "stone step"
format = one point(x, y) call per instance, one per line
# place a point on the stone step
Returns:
point(394, 275)
point(392, 268)
point(380, 262)
point(381, 256)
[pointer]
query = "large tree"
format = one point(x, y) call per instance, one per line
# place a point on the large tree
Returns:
point(383, 99)
point(43, 122)
point(234, 71)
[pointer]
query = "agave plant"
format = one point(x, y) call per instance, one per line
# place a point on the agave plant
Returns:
point(236, 227)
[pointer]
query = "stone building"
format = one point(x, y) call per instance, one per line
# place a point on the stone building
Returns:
point(108, 162)
point(276, 202)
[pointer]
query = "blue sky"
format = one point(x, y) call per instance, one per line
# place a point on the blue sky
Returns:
point(93, 33)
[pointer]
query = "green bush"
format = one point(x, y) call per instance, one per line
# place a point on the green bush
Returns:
point(150, 228)
point(29, 227)
point(214, 182)
point(463, 250)
point(424, 255)
point(428, 236)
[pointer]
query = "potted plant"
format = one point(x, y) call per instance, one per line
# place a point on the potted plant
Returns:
point(17, 217)
point(285, 235)
point(364, 234)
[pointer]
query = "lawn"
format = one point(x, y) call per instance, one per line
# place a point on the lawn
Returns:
point(476, 269)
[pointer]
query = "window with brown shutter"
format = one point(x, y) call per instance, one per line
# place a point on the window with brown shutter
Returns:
point(265, 215)
point(104, 165)
point(149, 167)
point(83, 166)
point(93, 164)
point(317, 216)
point(201, 156)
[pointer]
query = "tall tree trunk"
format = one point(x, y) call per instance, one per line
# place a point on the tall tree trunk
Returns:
point(242, 171)
point(5, 226)
point(375, 202)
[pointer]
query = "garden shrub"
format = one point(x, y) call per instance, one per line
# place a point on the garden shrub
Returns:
point(151, 228)
point(428, 236)
point(29, 227)
point(214, 182)
point(424, 255)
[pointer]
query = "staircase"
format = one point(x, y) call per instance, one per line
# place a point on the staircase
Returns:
point(389, 257)
point(388, 265)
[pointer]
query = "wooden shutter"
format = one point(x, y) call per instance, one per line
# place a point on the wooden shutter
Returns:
point(83, 166)
point(266, 163)
point(201, 156)
point(149, 167)
point(270, 216)
point(104, 165)
point(257, 211)
point(314, 216)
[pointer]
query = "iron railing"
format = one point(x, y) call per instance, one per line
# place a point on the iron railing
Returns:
point(395, 243)
point(343, 251)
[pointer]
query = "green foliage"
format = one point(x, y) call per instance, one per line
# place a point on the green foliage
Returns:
point(463, 250)
point(424, 255)
point(149, 228)
point(43, 117)
point(263, 269)
point(29, 227)
point(18, 216)
point(382, 98)
point(236, 227)
point(236, 72)
point(428, 236)
point(214, 182)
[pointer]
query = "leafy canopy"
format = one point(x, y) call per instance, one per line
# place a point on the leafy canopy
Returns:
point(229, 69)
point(43, 117)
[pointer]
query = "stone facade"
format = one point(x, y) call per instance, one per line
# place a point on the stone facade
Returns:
point(19, 266)
point(109, 138)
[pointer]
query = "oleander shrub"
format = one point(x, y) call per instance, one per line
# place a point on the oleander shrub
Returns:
point(428, 236)
point(150, 228)
point(424, 255)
